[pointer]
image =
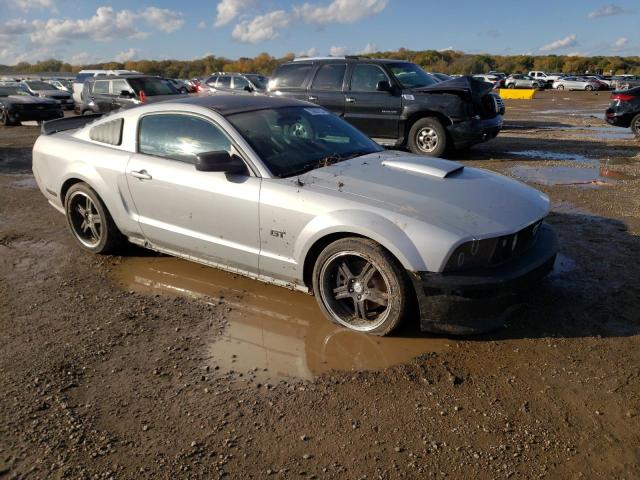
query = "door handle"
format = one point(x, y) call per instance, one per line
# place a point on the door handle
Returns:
point(350, 100)
point(141, 174)
point(312, 98)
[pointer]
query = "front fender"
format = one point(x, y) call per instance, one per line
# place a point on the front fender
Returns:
point(367, 224)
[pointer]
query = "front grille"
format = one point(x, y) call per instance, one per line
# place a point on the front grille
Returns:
point(510, 246)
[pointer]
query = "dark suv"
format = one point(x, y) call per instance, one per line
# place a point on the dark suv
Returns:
point(396, 102)
point(107, 93)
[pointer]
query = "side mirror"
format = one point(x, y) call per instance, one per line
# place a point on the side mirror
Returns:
point(247, 88)
point(220, 161)
point(383, 86)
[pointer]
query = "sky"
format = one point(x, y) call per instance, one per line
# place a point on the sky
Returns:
point(91, 31)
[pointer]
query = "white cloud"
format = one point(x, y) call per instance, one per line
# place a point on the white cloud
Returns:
point(312, 52)
point(565, 42)
point(606, 11)
point(261, 28)
point(369, 48)
point(127, 55)
point(202, 25)
point(340, 11)
point(448, 49)
point(163, 19)
point(26, 5)
point(230, 9)
point(338, 51)
point(85, 58)
point(620, 43)
point(106, 25)
point(576, 54)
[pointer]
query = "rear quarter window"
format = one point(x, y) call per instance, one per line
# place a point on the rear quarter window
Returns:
point(291, 76)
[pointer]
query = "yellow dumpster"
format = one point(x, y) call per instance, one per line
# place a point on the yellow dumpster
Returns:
point(518, 94)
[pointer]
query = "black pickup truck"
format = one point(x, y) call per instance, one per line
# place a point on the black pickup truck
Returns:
point(395, 102)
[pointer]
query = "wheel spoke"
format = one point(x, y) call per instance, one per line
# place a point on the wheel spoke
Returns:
point(346, 271)
point(379, 297)
point(94, 231)
point(341, 292)
point(81, 210)
point(88, 204)
point(359, 309)
point(97, 219)
point(367, 272)
point(83, 226)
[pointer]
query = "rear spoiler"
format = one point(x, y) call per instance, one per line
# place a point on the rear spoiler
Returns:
point(69, 123)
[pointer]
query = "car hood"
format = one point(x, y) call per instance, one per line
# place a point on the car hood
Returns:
point(465, 84)
point(24, 99)
point(50, 93)
point(461, 200)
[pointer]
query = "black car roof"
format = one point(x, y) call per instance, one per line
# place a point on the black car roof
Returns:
point(230, 104)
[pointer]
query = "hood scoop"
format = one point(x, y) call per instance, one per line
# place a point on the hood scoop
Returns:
point(432, 167)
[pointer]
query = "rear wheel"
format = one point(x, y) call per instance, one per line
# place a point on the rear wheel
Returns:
point(360, 286)
point(4, 118)
point(89, 220)
point(428, 137)
point(560, 87)
point(635, 126)
point(588, 88)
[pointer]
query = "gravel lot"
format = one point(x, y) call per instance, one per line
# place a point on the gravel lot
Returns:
point(144, 366)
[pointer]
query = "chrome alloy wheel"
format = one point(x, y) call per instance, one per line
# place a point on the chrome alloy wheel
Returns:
point(427, 139)
point(85, 219)
point(355, 291)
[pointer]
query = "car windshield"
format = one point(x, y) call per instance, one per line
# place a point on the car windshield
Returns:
point(259, 81)
point(40, 86)
point(294, 140)
point(6, 91)
point(152, 86)
point(411, 76)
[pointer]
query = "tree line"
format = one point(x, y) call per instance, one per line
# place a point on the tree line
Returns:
point(451, 62)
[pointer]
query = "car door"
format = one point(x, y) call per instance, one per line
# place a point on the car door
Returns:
point(375, 113)
point(120, 99)
point(101, 95)
point(208, 215)
point(327, 87)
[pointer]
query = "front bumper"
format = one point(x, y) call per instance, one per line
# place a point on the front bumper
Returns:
point(480, 301)
point(35, 115)
point(467, 133)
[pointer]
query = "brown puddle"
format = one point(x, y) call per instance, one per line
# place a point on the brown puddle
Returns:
point(271, 327)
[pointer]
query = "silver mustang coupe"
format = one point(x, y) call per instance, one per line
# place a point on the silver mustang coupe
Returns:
point(285, 192)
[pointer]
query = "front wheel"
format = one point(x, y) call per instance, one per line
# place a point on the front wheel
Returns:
point(360, 286)
point(89, 220)
point(428, 137)
point(635, 126)
point(4, 118)
point(588, 88)
point(560, 87)
point(511, 85)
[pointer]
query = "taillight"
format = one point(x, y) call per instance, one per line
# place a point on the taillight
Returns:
point(622, 97)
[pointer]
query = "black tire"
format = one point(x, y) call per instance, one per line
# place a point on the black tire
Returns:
point(4, 119)
point(427, 136)
point(183, 90)
point(350, 275)
point(560, 87)
point(511, 85)
point(87, 112)
point(535, 86)
point(635, 126)
point(588, 88)
point(89, 220)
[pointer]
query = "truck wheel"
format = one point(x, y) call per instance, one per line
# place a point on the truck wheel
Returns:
point(428, 137)
point(635, 126)
point(89, 220)
point(4, 118)
point(359, 285)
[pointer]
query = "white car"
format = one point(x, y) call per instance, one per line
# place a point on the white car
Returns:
point(576, 83)
point(286, 192)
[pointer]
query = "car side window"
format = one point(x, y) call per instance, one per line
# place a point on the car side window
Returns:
point(329, 77)
point(211, 80)
point(179, 137)
point(239, 83)
point(101, 87)
point(292, 75)
point(224, 82)
point(365, 78)
point(117, 86)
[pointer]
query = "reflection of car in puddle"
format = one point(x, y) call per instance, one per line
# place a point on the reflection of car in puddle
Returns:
point(272, 328)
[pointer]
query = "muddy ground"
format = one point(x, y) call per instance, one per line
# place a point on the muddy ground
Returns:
point(143, 366)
